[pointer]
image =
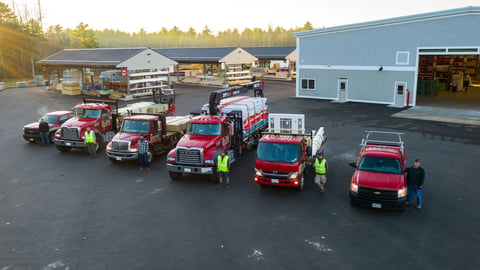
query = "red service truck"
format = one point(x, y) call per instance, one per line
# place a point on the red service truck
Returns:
point(379, 177)
point(285, 151)
point(103, 117)
point(152, 126)
point(230, 122)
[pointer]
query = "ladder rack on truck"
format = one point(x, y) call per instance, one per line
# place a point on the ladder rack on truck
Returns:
point(368, 141)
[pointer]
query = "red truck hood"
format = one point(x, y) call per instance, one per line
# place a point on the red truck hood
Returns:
point(34, 125)
point(276, 166)
point(79, 122)
point(131, 137)
point(199, 141)
point(379, 180)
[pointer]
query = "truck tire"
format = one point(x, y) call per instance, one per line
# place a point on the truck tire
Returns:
point(149, 156)
point(174, 175)
point(99, 144)
point(214, 177)
point(51, 136)
point(63, 148)
point(302, 182)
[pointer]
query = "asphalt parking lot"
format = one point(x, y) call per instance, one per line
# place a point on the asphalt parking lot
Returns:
point(67, 211)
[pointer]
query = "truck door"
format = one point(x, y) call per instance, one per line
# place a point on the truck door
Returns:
point(106, 123)
point(225, 136)
point(154, 133)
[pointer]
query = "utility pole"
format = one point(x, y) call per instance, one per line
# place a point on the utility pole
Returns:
point(33, 68)
point(40, 14)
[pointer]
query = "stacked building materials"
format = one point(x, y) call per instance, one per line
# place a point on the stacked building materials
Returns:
point(177, 123)
point(71, 88)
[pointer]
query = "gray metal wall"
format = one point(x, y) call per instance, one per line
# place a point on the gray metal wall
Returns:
point(363, 86)
point(357, 54)
point(378, 46)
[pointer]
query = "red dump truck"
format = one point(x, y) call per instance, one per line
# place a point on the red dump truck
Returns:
point(103, 117)
point(154, 128)
point(285, 151)
point(229, 123)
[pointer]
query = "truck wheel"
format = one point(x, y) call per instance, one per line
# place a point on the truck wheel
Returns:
point(174, 175)
point(300, 186)
point(99, 144)
point(62, 148)
point(353, 203)
point(149, 156)
point(52, 137)
point(213, 177)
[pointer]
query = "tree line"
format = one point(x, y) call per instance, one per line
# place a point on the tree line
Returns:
point(23, 41)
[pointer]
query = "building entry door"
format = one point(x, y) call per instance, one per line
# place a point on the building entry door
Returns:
point(342, 90)
point(400, 94)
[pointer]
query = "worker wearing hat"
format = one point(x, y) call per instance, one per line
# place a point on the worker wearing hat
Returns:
point(320, 166)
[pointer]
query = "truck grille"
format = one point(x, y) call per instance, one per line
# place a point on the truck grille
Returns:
point(276, 174)
point(189, 156)
point(120, 145)
point(31, 131)
point(377, 194)
point(70, 133)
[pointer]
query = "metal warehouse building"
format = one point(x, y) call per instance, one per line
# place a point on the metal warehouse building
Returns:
point(390, 61)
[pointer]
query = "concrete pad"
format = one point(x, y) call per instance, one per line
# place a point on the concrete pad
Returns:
point(441, 114)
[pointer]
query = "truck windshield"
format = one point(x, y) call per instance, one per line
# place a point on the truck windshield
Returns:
point(204, 129)
point(278, 152)
point(87, 113)
point(136, 126)
point(51, 119)
point(380, 165)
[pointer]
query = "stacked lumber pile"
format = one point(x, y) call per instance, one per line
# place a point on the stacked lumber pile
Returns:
point(71, 88)
point(177, 123)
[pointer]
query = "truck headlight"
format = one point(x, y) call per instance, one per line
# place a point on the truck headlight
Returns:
point(109, 146)
point(258, 172)
point(133, 150)
point(171, 159)
point(402, 192)
point(293, 175)
point(354, 187)
point(209, 161)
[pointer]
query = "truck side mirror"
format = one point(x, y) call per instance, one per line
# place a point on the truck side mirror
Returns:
point(353, 164)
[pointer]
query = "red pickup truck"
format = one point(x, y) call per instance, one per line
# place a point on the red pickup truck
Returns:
point(379, 177)
point(54, 120)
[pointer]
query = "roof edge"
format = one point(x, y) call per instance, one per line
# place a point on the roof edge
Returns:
point(383, 22)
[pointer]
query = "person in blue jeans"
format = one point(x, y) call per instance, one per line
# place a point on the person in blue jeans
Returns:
point(415, 178)
point(142, 148)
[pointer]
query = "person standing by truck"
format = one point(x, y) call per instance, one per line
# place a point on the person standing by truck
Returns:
point(142, 148)
point(90, 142)
point(223, 169)
point(320, 166)
point(44, 129)
point(415, 177)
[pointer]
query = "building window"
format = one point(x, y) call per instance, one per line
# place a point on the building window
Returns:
point(402, 58)
point(308, 84)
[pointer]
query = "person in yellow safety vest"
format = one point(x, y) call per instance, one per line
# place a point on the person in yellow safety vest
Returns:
point(320, 171)
point(90, 142)
point(223, 169)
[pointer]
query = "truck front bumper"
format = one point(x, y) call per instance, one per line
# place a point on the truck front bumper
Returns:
point(69, 143)
point(189, 169)
point(398, 204)
point(32, 137)
point(277, 182)
point(119, 155)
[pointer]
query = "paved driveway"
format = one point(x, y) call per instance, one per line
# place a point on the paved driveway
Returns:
point(67, 211)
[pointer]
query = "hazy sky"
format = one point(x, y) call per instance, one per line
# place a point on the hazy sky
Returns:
point(152, 15)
